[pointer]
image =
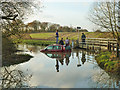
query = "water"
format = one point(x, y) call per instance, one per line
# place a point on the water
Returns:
point(76, 69)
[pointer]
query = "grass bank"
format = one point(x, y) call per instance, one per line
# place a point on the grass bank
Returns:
point(108, 62)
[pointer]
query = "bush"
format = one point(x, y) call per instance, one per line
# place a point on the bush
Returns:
point(98, 31)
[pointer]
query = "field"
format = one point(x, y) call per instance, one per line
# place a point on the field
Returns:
point(70, 35)
point(38, 42)
point(49, 38)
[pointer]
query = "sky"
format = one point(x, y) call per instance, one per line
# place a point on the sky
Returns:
point(65, 12)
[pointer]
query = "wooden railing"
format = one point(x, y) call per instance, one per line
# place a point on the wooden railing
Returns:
point(103, 42)
point(100, 43)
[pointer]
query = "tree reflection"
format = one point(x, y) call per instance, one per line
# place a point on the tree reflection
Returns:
point(31, 48)
point(106, 80)
point(13, 78)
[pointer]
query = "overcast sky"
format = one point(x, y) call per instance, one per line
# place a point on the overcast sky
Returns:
point(65, 12)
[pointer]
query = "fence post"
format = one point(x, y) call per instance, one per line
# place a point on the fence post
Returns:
point(77, 43)
point(99, 44)
point(109, 46)
point(117, 49)
point(113, 47)
point(93, 45)
point(87, 46)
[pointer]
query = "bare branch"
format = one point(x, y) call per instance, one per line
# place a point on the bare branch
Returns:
point(104, 14)
point(9, 17)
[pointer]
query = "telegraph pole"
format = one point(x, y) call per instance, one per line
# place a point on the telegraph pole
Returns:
point(78, 28)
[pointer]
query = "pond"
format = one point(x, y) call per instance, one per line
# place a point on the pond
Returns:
point(76, 69)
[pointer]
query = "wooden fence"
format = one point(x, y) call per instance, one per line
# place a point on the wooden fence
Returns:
point(98, 44)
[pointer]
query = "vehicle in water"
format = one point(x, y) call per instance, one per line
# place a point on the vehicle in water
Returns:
point(56, 48)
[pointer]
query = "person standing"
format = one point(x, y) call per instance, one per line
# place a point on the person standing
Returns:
point(67, 41)
point(83, 37)
point(57, 36)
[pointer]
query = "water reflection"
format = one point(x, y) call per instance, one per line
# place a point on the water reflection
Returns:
point(105, 80)
point(78, 69)
point(60, 57)
point(63, 57)
point(13, 78)
point(30, 48)
point(81, 58)
point(77, 55)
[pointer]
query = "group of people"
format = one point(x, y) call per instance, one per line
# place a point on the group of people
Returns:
point(67, 42)
point(62, 41)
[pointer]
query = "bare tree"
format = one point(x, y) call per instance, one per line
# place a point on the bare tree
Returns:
point(105, 15)
point(12, 10)
point(12, 14)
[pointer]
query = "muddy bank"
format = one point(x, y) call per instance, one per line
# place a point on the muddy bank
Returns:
point(15, 59)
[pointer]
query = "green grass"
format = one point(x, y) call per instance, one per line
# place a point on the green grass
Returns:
point(51, 36)
point(105, 61)
point(70, 35)
point(38, 42)
point(42, 35)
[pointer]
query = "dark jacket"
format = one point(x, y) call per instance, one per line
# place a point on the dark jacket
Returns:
point(57, 34)
point(83, 36)
point(61, 42)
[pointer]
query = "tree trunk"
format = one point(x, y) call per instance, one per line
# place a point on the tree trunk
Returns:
point(118, 41)
point(118, 46)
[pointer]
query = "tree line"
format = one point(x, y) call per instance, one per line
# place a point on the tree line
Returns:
point(37, 26)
